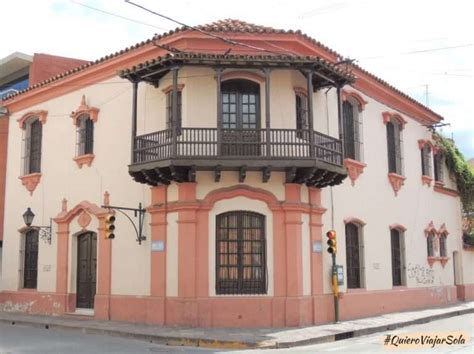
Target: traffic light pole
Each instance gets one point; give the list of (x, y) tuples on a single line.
[(335, 288), (140, 212)]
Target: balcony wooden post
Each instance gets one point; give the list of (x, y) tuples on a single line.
[(219, 110), (175, 116), (267, 72), (309, 88), (340, 121), (134, 119)]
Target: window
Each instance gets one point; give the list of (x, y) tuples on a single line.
[(351, 122), (32, 146), (169, 111), (442, 245), (240, 253), (430, 240), (302, 124), (30, 259), (85, 135), (394, 147), (354, 256), (438, 167), (398, 254), (426, 160)]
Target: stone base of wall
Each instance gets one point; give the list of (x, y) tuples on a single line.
[(257, 311), (465, 292)]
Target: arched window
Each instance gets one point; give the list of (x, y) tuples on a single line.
[(398, 256), (30, 259), (438, 166), (430, 242), (426, 160), (394, 146), (442, 245), (354, 256), (32, 136), (85, 135), (352, 131), (241, 253)]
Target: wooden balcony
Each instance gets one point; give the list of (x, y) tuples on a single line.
[(161, 157)]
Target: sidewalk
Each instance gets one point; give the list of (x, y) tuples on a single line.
[(240, 338)]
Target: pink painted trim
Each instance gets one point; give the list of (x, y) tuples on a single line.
[(84, 160), (399, 227), (430, 229), (397, 181), (84, 220), (30, 181), (83, 108), (346, 95), (446, 191), (426, 180), (242, 74), (241, 191), (40, 114), (300, 90), (442, 230), (170, 88), (388, 116), (443, 260), (423, 142), (432, 260), (67, 216), (352, 220), (354, 169)]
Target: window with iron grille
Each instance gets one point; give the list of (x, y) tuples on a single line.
[(442, 246), (85, 135), (394, 147), (354, 256), (438, 167), (241, 266), (302, 124), (30, 259), (398, 255), (32, 146), (169, 111), (352, 131), (426, 160), (430, 244)]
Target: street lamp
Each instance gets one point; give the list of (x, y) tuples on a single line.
[(44, 231)]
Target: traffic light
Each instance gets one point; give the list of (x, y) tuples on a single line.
[(109, 226), (331, 235)]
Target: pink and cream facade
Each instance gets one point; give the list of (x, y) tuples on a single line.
[(243, 160)]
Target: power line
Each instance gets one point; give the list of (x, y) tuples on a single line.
[(210, 34), (119, 16), (420, 51)]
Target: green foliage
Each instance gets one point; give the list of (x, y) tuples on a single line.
[(461, 171)]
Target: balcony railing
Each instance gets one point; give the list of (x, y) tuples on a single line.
[(242, 144)]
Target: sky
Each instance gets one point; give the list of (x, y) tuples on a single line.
[(424, 48)]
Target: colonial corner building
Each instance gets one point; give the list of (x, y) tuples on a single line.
[(244, 153)]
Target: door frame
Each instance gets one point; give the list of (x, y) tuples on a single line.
[(92, 234)]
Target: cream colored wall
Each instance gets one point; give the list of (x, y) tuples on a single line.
[(61, 178), (240, 203), (372, 200)]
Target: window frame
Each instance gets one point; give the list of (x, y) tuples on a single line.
[(360, 269), (33, 122), (301, 109), (438, 166), (352, 116), (169, 110), (398, 233), (430, 244), (84, 135), (29, 271), (395, 154), (239, 285)]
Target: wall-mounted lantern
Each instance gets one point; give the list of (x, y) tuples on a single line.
[(44, 231)]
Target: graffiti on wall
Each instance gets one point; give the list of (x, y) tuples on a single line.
[(421, 274)]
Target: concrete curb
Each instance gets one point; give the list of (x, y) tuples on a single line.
[(228, 344)]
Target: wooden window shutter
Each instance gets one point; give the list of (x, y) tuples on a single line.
[(391, 148), (36, 131)]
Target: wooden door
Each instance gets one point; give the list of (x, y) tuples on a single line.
[(240, 118), (86, 270)]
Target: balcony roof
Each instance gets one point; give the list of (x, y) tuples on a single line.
[(151, 71)]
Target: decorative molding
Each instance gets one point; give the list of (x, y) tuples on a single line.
[(242, 74), (442, 230), (430, 229), (300, 90), (397, 181), (83, 108), (84, 206), (443, 260), (423, 142), (30, 181), (84, 160), (446, 191), (426, 180), (84, 220), (40, 114), (354, 169), (399, 227), (352, 220), (346, 95), (431, 260), (388, 116), (170, 88)]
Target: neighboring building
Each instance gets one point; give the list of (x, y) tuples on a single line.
[(18, 71), (239, 160)]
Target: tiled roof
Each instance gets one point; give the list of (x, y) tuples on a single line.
[(222, 26)]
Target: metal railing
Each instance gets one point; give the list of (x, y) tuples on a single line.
[(207, 143)]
